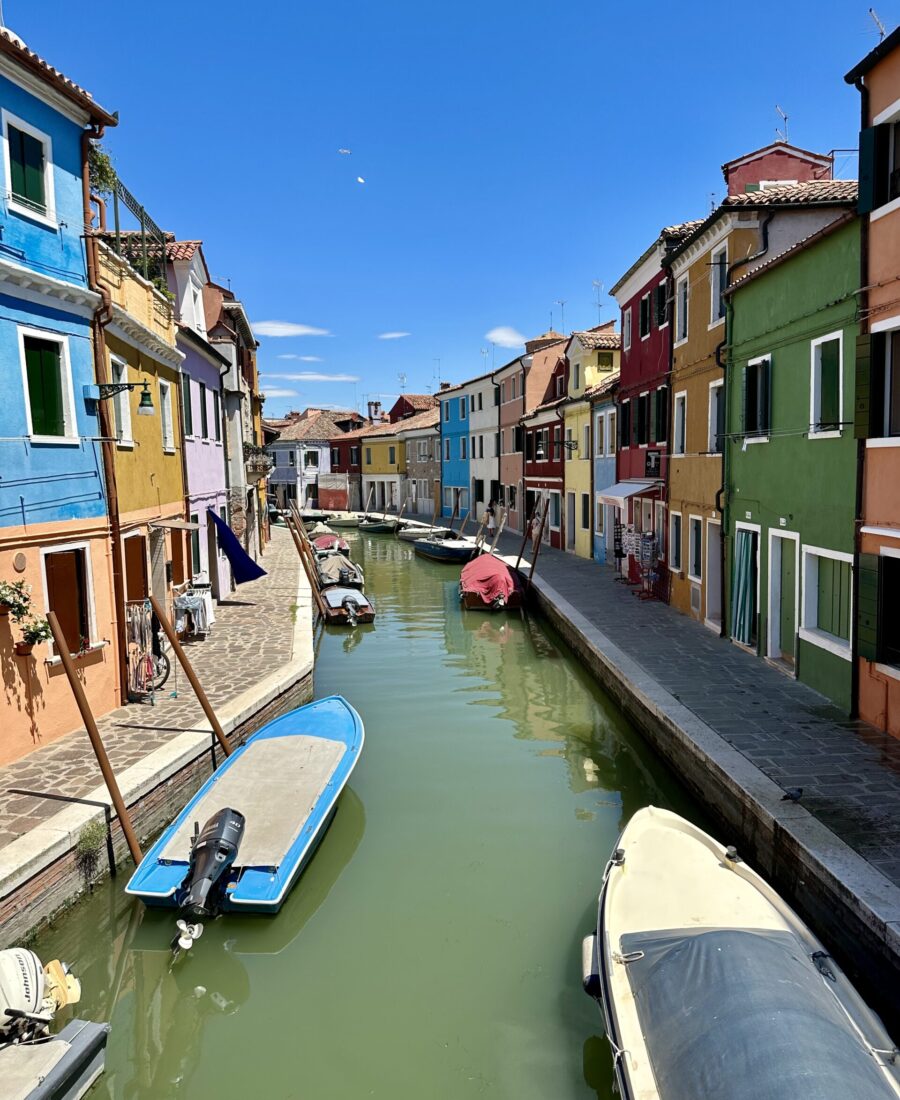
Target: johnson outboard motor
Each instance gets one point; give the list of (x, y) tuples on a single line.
[(213, 851), (351, 606)]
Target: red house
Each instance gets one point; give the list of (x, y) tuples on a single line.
[(545, 459), (410, 404), (644, 297), (345, 459)]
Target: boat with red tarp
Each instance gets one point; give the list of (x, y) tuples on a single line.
[(489, 584), (331, 542)]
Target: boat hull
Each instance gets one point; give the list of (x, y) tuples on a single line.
[(472, 601), (380, 527), (441, 551), (288, 777), (415, 534), (344, 520), (335, 611)]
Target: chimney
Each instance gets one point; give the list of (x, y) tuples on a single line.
[(445, 385)]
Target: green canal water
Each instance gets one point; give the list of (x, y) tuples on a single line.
[(432, 947)]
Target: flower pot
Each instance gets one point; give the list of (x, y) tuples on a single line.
[(4, 610), (23, 649)]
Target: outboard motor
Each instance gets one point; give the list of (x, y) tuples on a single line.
[(212, 853), (30, 994), (352, 608)]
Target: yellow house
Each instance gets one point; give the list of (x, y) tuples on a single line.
[(383, 467), (149, 472), (593, 358)]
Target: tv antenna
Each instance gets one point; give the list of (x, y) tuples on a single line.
[(484, 354), (598, 292), (437, 371), (561, 302), (881, 31), (402, 379), (782, 135)]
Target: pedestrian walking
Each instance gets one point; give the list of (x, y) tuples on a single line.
[(491, 524)]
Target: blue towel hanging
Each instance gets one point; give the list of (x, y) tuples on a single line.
[(243, 567)]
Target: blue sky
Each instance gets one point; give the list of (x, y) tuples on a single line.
[(513, 152)]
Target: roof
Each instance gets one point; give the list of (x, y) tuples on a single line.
[(594, 339), (430, 418), (810, 193), (602, 389), (824, 159), (368, 429), (805, 242), (420, 400), (886, 46), (670, 235), (14, 47), (547, 405), (317, 424), (132, 244), (462, 385)]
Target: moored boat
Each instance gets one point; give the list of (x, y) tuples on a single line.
[(489, 584), (319, 530), (347, 606), (333, 567), (711, 985), (453, 551), (343, 519), (323, 543), (265, 810), (386, 525), (413, 534)]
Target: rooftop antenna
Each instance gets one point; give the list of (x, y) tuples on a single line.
[(402, 379), (484, 354), (712, 201), (437, 369), (782, 135), (562, 311), (874, 14), (598, 291)]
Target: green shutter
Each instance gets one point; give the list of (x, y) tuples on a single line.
[(186, 404), (652, 416), (765, 395), (874, 147), (26, 162), (745, 379), (868, 400), (829, 395), (45, 396), (867, 608)]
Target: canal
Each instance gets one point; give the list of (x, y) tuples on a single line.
[(432, 947)]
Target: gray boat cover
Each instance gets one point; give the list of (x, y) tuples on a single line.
[(336, 569), (744, 1015)]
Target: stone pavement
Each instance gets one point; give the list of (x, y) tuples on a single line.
[(252, 636), (849, 772)]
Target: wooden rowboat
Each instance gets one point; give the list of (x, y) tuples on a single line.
[(489, 584), (323, 543), (386, 526), (452, 551)]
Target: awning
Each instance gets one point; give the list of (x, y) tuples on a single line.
[(622, 490), (175, 524)]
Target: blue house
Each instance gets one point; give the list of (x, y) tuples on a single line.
[(54, 531), (455, 447), (603, 449)]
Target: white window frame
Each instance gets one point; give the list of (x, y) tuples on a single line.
[(611, 433), (422, 450), (463, 408), (599, 435), (559, 511), (576, 378), (463, 447), (815, 384), (675, 559), (659, 526), (680, 397), (195, 288), (70, 423), (586, 440), (636, 409), (446, 450), (809, 629), (714, 297), (447, 410), (773, 622), (93, 641), (121, 403), (165, 402), (711, 432), (697, 578), (626, 328), (767, 358), (682, 315), (48, 219), (649, 299), (599, 515)]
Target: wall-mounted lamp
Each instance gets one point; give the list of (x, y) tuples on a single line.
[(110, 389)]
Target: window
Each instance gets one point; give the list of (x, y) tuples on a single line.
[(659, 305), (681, 309), (680, 424), (422, 450), (165, 416), (599, 513), (757, 393), (446, 410), (122, 401), (464, 446), (408, 450), (446, 450), (481, 447), (512, 383), (478, 490), (310, 460), (392, 456), (643, 419), (204, 414), (68, 585), (826, 376), (496, 395), (557, 442), (675, 541), (29, 169), (626, 328), (217, 417), (196, 564), (335, 457), (879, 596), (448, 499), (354, 456), (585, 511), (511, 496), (560, 385), (186, 403), (503, 391), (826, 600), (517, 439), (879, 165), (599, 435), (554, 510), (662, 414), (695, 548), (611, 434), (717, 282), (625, 424), (716, 440), (292, 458), (480, 400), (462, 408), (48, 385), (586, 441), (576, 377), (660, 527), (369, 454), (644, 317)]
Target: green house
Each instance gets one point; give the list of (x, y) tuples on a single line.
[(790, 458)]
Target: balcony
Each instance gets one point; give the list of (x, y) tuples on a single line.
[(257, 462)]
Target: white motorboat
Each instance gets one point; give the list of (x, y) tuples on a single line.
[(712, 987)]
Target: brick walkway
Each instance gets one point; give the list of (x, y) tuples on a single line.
[(252, 636), (849, 772)]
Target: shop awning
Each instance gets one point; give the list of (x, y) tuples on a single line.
[(622, 490), (175, 524)]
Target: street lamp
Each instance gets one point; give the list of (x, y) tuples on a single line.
[(111, 389)]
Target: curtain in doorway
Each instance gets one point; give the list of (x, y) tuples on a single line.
[(743, 591)]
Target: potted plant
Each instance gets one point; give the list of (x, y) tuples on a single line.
[(15, 599), (34, 632)]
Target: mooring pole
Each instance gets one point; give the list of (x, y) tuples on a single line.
[(191, 675), (537, 547), (62, 648), (528, 523), (313, 584)]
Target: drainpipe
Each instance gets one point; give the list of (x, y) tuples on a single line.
[(102, 317), (722, 492), (862, 311)]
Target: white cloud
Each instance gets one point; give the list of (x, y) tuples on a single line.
[(393, 335), (303, 358), (276, 391), (314, 376), (504, 336), (287, 328)]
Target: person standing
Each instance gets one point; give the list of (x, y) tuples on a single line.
[(491, 523)]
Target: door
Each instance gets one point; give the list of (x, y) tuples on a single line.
[(158, 564), (787, 612), (713, 575), (212, 556), (135, 548), (570, 521)]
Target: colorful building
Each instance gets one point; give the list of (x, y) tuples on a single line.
[(638, 492), (383, 467), (303, 450), (455, 487), (760, 217), (544, 462), (510, 383), (346, 465), (593, 357), (419, 435), (877, 411), (54, 525), (602, 399), (790, 496), (484, 443)]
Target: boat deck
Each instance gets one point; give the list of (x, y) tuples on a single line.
[(275, 785)]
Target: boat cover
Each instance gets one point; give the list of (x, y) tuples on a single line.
[(337, 569), (744, 1014), (330, 542), (491, 578)]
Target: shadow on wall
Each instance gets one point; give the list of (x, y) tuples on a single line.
[(22, 688)]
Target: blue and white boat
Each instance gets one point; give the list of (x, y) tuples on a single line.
[(454, 550), (242, 841)]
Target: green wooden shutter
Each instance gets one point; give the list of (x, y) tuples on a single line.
[(765, 395), (652, 416), (43, 368), (186, 404), (874, 146), (745, 378), (829, 395), (26, 156), (868, 399), (867, 608)]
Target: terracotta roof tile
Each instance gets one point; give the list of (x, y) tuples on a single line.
[(608, 385), (421, 400), (317, 424), (132, 246), (427, 419), (593, 340), (790, 194)]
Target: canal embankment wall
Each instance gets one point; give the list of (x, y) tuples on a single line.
[(851, 905), (43, 872)]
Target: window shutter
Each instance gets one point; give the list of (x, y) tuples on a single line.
[(43, 368), (867, 608), (765, 394), (868, 401), (745, 378), (874, 144), (652, 417)]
